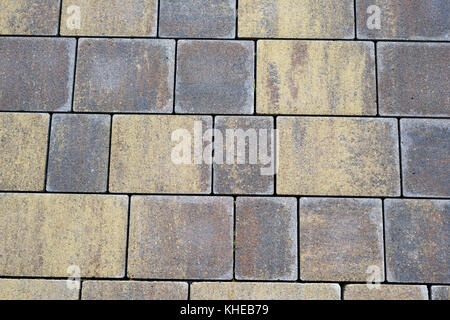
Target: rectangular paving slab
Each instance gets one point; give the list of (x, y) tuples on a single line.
[(385, 292), (440, 292), (36, 289)]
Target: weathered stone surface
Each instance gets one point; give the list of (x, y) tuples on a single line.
[(296, 19), (142, 151), (340, 239), (36, 289), (417, 237), (79, 152), (181, 237), (316, 77), (36, 74), (440, 292), (385, 292), (425, 157), (405, 19), (135, 18), (215, 76), (411, 79), (266, 238), (125, 75), (197, 18), (23, 151), (134, 290), (264, 291), (45, 234), (338, 156)]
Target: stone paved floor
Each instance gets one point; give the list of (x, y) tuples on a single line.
[(108, 173)]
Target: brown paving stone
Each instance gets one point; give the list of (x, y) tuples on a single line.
[(417, 237), (340, 239), (181, 237), (23, 151), (316, 77), (36, 289), (36, 74), (412, 80), (385, 292), (440, 292), (125, 75), (59, 231)]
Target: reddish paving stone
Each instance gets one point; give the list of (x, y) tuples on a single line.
[(440, 292)]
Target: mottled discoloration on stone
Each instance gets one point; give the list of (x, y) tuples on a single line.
[(135, 18), (125, 75), (338, 156), (316, 77), (244, 178), (215, 77), (44, 234), (440, 292), (340, 238), (181, 237), (266, 239), (36, 289), (134, 290), (385, 292), (405, 19), (197, 18), (23, 151), (36, 74), (264, 291), (296, 19), (141, 155), (425, 157), (413, 80), (417, 238)]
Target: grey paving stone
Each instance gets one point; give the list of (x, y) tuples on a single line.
[(440, 292)]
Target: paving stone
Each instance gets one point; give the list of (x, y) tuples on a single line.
[(36, 74), (266, 238), (79, 153), (296, 19), (134, 290), (125, 75), (252, 173), (425, 157), (417, 236), (340, 239), (197, 18), (440, 292), (411, 79), (404, 19), (215, 76), (29, 17), (181, 237), (385, 292), (316, 77), (59, 233), (36, 289), (338, 156), (142, 154), (137, 18), (23, 151), (264, 291)]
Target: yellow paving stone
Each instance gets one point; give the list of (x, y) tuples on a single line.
[(316, 77), (36, 289), (385, 292)]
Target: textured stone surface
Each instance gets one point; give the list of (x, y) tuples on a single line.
[(79, 152), (316, 77), (405, 19), (136, 18), (417, 237), (440, 292), (134, 290), (23, 151), (412, 80), (36, 74), (264, 291), (340, 239), (141, 155), (338, 156), (125, 75), (215, 77), (296, 19), (36, 289), (385, 292), (197, 18), (266, 239), (425, 157), (45, 234), (181, 237)]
